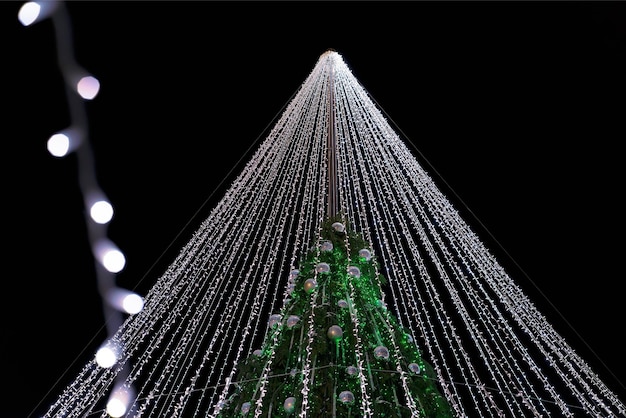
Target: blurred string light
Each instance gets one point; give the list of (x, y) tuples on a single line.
[(80, 86), (35, 11)]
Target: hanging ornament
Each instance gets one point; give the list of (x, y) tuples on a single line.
[(292, 320), (342, 303), (354, 271), (352, 371), (366, 254), (274, 320), (293, 274), (338, 226), (346, 397), (327, 246), (245, 408), (291, 287), (335, 332), (381, 352), (290, 404), (258, 353), (415, 368), (322, 268), (310, 285)]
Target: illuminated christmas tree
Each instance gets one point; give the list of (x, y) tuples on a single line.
[(400, 310), (362, 358)]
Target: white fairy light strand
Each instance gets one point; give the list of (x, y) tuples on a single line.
[(209, 310), (81, 86)]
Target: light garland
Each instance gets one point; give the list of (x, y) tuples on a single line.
[(117, 302)]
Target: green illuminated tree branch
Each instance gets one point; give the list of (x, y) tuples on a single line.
[(335, 350)]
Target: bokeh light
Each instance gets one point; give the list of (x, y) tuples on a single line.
[(109, 256), (119, 401), (124, 300), (88, 87), (34, 11), (101, 211), (62, 143)]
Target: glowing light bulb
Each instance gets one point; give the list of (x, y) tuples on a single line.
[(132, 303), (29, 12), (115, 407), (109, 256), (105, 357), (108, 354), (88, 87), (118, 402), (101, 212), (113, 260), (58, 145), (62, 143), (124, 300), (34, 11)]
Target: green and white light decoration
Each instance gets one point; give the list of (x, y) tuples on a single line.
[(338, 351), (270, 311)]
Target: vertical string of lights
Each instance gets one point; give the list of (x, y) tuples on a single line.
[(81, 86)]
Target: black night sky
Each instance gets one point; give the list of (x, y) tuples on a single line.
[(516, 109)]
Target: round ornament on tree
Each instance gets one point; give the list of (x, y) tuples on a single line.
[(322, 268), (415, 368), (335, 332), (346, 397), (290, 404), (354, 271), (366, 254), (339, 227), (292, 320), (381, 352), (274, 320), (310, 285)]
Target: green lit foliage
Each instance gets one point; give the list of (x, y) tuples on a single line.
[(348, 295)]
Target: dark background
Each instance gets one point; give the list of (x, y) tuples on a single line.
[(516, 109)]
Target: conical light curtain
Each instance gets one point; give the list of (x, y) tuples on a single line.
[(451, 306)]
